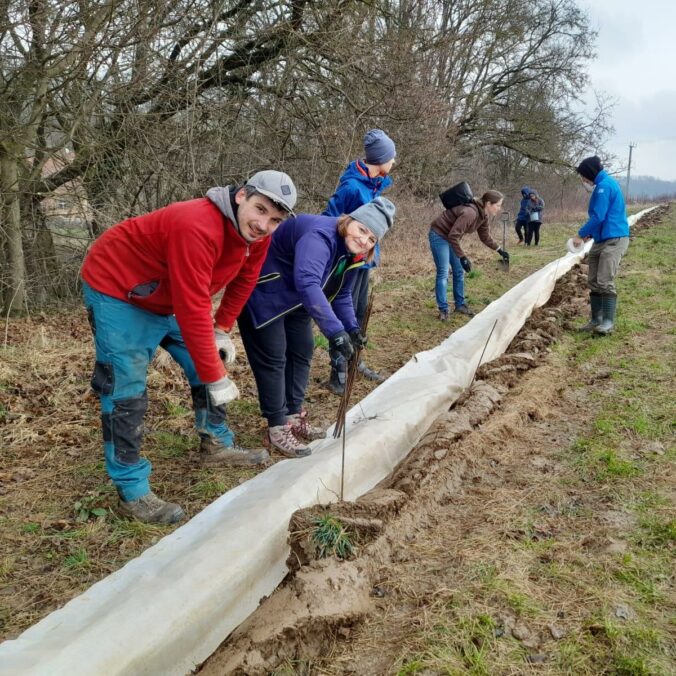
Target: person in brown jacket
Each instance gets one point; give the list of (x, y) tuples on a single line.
[(445, 234)]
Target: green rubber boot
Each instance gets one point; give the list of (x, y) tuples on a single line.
[(608, 323), (596, 302)]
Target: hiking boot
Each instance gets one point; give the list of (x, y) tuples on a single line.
[(282, 439), (464, 310), (609, 305), (336, 382), (596, 302), (215, 453), (301, 428), (151, 509), (370, 374), (443, 315)]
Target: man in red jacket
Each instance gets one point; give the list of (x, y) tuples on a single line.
[(148, 282)]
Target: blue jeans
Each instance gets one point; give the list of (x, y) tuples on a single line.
[(126, 338), (443, 255)]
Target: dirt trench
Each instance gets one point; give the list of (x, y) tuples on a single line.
[(323, 600)]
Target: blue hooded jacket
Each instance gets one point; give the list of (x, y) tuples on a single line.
[(356, 188), (607, 214), (528, 206), (524, 214), (307, 266)]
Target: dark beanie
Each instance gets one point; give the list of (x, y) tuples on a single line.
[(590, 167), (378, 147)]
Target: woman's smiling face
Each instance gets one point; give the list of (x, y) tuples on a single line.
[(358, 238)]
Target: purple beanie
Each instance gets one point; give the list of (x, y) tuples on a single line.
[(379, 147)]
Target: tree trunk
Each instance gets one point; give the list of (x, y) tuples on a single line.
[(14, 296)]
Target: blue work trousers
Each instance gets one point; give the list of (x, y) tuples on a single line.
[(126, 338)]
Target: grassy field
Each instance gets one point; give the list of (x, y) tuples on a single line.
[(605, 602)]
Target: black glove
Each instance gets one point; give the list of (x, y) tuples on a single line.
[(340, 345), (466, 264), (504, 254), (358, 338)]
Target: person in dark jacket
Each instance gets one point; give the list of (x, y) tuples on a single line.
[(148, 283), (445, 234), (307, 276), (522, 218), (608, 227), (362, 181), (534, 208)]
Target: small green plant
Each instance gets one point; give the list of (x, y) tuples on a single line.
[(321, 341), (30, 527), (88, 507), (332, 538)]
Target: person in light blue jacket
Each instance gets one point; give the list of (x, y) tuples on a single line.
[(362, 181), (608, 227)]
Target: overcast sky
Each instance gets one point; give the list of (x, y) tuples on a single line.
[(636, 65)]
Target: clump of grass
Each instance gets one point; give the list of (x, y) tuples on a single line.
[(78, 560), (124, 530), (6, 567), (331, 538), (170, 445), (208, 488), (176, 410), (657, 534)]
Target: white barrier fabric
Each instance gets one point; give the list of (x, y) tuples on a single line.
[(170, 608)]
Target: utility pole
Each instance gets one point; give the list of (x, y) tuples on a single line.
[(631, 147)]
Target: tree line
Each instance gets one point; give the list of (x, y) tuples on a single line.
[(125, 106)]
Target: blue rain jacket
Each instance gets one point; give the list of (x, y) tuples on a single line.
[(356, 188), (607, 212)]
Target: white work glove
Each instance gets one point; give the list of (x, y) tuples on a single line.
[(222, 391), (226, 348)]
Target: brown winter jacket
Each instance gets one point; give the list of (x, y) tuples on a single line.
[(458, 221)]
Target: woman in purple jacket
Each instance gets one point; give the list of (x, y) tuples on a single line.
[(307, 275)]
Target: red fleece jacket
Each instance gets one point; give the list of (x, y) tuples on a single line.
[(191, 251)]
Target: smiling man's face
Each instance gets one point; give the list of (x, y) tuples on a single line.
[(257, 215)]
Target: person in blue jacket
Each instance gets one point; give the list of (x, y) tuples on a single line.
[(523, 217), (307, 276), (362, 181), (529, 218), (608, 227), (535, 209)]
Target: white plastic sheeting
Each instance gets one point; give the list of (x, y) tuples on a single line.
[(168, 610)]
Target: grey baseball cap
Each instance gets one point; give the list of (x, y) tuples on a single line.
[(277, 186)]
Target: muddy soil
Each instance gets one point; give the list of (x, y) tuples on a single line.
[(411, 526)]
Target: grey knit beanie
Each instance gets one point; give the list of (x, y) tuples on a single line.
[(377, 216)]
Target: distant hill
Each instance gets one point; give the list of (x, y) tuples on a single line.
[(648, 187)]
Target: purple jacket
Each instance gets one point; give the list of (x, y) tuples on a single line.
[(307, 266)]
